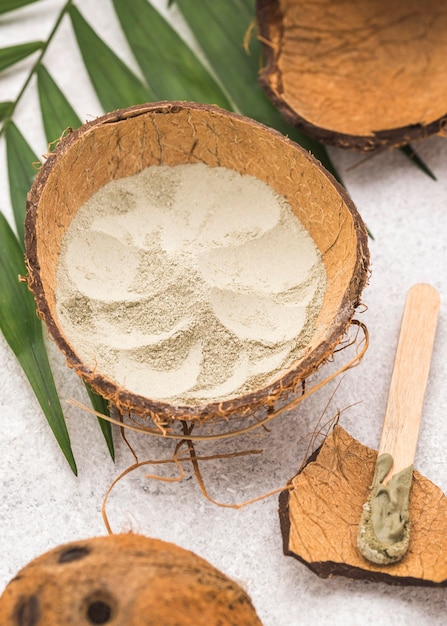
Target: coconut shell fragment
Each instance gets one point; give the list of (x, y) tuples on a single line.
[(320, 517), (123, 580), (359, 75)]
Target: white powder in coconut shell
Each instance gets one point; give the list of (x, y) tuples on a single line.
[(188, 284)]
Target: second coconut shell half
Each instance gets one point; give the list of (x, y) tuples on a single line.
[(360, 75)]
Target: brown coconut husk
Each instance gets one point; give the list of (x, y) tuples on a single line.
[(361, 75), (124, 580), (321, 511), (123, 143)]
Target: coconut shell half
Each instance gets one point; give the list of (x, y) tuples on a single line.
[(123, 580), (361, 75), (125, 142)]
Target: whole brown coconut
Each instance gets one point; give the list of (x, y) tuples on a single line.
[(360, 75), (123, 580)]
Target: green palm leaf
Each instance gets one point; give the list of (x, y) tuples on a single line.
[(11, 5), (22, 164), (169, 66), (57, 112), (5, 109), (14, 54), (23, 332), (115, 84), (221, 37), (409, 152), (101, 405)]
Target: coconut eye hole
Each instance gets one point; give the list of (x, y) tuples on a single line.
[(27, 611), (74, 553), (99, 612)]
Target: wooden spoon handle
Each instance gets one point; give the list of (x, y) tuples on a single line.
[(409, 379)]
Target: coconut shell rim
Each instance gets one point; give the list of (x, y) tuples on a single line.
[(379, 139), (126, 400)]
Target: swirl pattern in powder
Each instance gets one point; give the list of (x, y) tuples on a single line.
[(189, 284)]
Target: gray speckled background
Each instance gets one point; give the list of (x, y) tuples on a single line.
[(43, 505)]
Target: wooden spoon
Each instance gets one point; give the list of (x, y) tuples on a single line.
[(384, 528)]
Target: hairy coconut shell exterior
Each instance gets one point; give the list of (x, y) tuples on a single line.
[(123, 143), (361, 75), (123, 580)]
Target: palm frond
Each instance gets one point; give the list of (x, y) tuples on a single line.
[(23, 332)]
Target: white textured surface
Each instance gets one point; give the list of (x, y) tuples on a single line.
[(42, 504)]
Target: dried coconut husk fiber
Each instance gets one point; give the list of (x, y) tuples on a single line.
[(125, 142), (361, 75), (124, 580)]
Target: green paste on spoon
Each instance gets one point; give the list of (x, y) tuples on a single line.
[(384, 529)]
